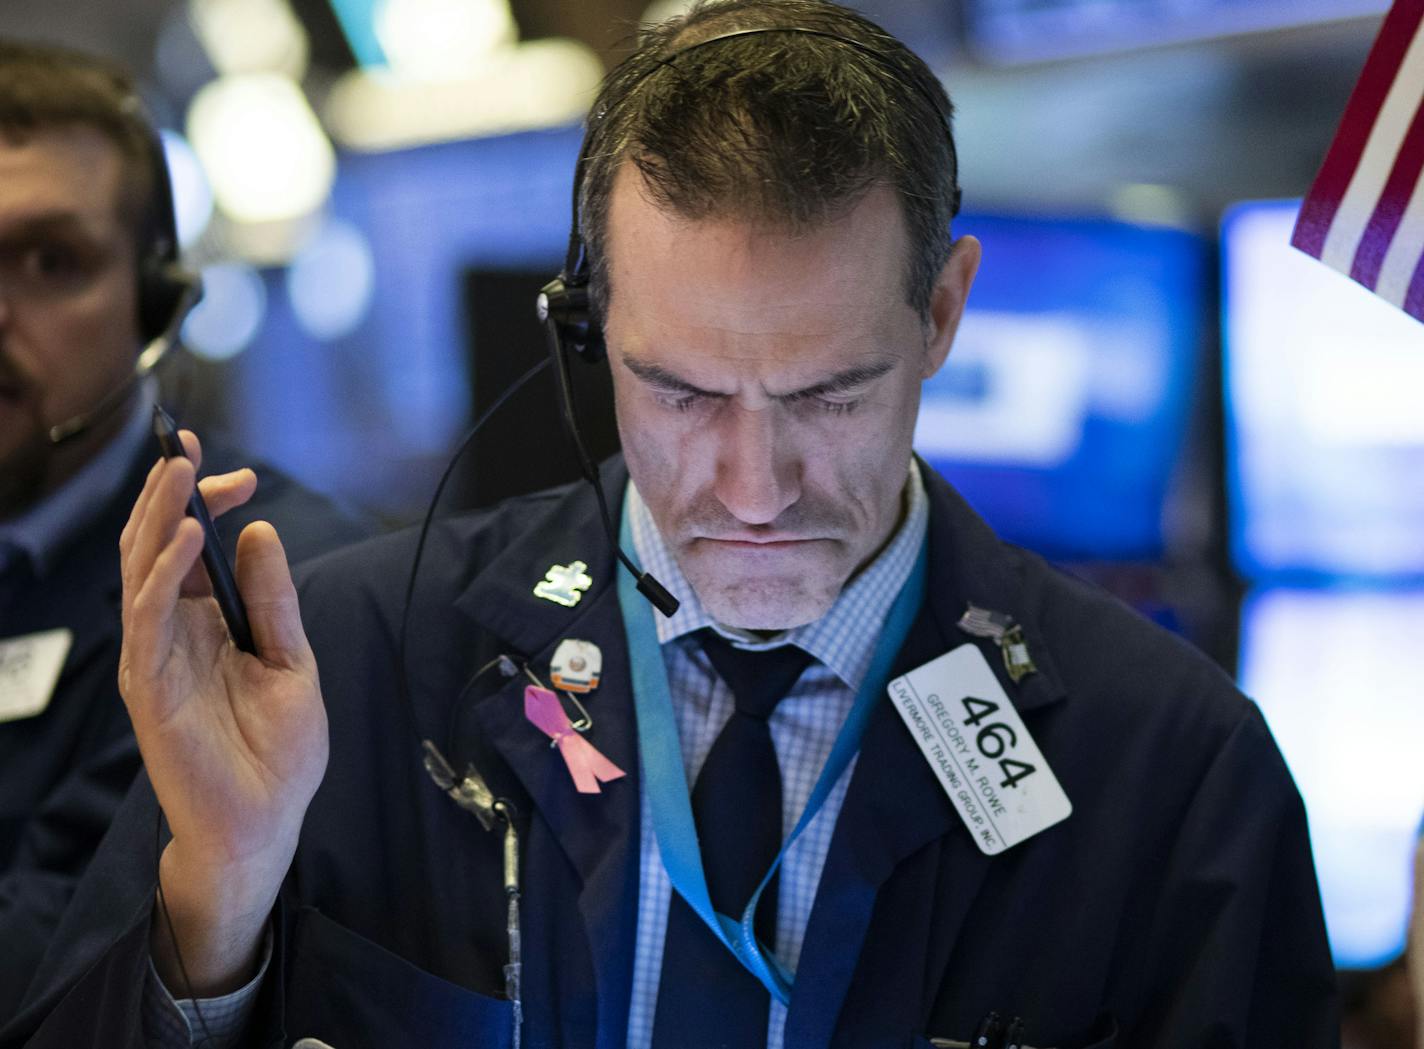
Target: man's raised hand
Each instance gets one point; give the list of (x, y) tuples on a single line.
[(235, 744)]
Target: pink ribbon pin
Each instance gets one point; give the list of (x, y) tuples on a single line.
[(586, 765)]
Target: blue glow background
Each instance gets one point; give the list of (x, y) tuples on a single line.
[(1129, 301), (1327, 524)]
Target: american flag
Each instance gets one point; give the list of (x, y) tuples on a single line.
[(1365, 212)]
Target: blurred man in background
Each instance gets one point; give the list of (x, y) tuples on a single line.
[(88, 275)]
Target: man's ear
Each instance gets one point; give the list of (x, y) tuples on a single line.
[(947, 298)]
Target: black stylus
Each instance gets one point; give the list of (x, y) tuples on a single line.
[(234, 612)]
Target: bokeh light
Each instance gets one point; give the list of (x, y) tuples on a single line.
[(331, 281), (262, 147), (192, 196), (441, 39), (251, 36), (230, 315)]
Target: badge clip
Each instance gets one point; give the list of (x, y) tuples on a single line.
[(470, 791), (1001, 629)]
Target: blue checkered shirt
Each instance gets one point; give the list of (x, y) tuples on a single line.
[(217, 1023), (803, 730)]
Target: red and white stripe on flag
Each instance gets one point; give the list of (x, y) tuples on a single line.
[(1364, 214)]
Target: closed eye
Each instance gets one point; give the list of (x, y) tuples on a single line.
[(683, 403), (836, 395)]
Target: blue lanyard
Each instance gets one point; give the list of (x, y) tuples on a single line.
[(667, 791)]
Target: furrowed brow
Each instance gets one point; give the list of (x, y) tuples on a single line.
[(852, 378), (842, 382), (657, 376)]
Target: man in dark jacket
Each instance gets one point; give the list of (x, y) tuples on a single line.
[(87, 274), (876, 780)]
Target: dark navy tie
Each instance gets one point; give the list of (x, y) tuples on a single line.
[(706, 998)]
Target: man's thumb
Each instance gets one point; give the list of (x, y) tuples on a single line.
[(265, 583)]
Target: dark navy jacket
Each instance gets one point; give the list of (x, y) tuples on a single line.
[(64, 772), (1176, 907)]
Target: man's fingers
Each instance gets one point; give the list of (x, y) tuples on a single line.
[(148, 631), (161, 515), (222, 492), (265, 582), (140, 504), (192, 448)]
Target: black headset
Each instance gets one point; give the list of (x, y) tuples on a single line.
[(563, 303)]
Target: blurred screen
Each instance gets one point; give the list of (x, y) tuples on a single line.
[(373, 413), (1061, 413), (1337, 674), (1028, 29), (1323, 386)]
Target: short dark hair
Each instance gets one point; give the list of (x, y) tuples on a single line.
[(790, 128), (44, 87)]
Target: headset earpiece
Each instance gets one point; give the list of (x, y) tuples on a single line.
[(164, 287), (563, 308), (565, 304)]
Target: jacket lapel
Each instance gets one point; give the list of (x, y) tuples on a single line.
[(598, 833), (895, 806)]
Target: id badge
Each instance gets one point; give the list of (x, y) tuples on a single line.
[(975, 742), (29, 670)]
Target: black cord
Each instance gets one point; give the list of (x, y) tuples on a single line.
[(173, 936), (647, 585), (571, 427), (469, 437)]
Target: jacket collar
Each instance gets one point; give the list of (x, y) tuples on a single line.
[(500, 598)]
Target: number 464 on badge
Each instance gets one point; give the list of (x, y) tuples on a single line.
[(981, 753)]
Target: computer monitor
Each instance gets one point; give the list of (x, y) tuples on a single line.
[(1063, 411), (1033, 30), (1337, 673), (1324, 386)]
